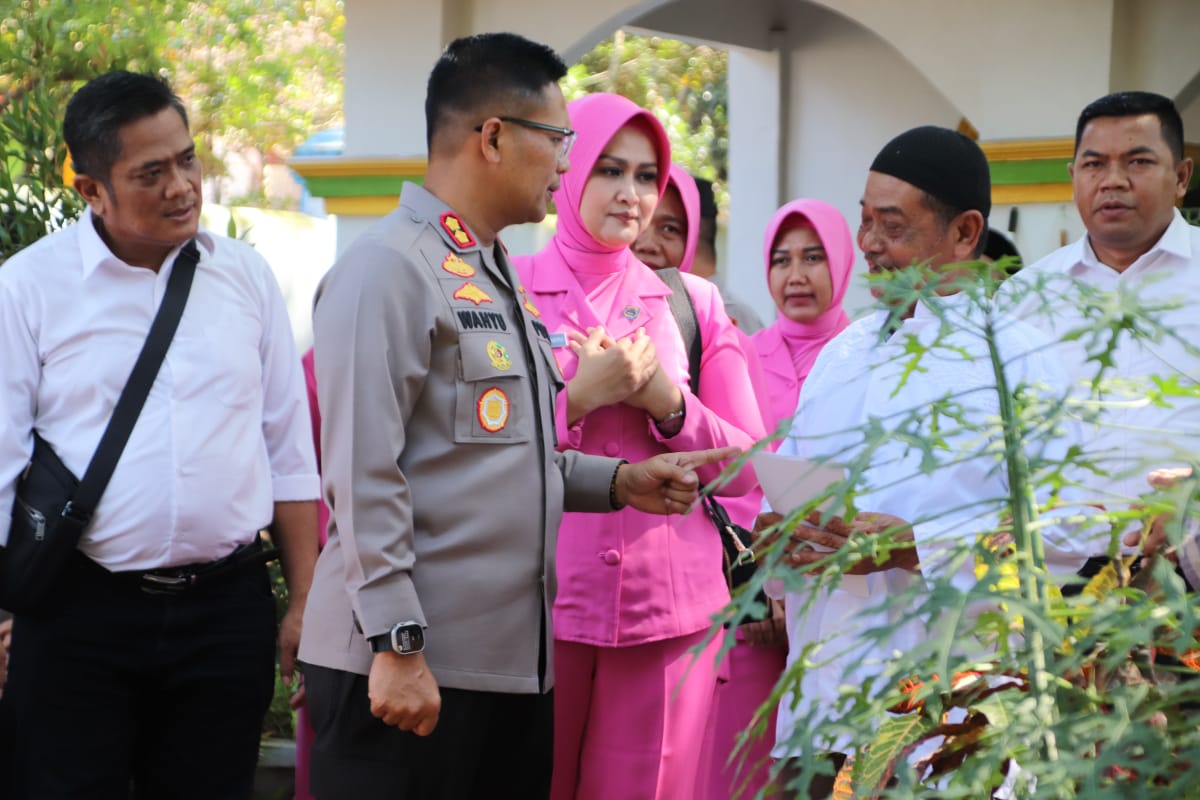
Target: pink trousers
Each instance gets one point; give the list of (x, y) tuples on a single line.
[(748, 675), (629, 721), (304, 740)]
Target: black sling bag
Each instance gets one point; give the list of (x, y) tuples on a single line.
[(52, 507)]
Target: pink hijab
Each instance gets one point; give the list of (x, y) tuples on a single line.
[(690, 195), (796, 345), (597, 117)]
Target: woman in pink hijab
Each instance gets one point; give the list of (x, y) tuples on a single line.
[(670, 238), (636, 593), (809, 253)]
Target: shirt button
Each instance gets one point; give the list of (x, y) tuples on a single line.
[(611, 448), (611, 557)]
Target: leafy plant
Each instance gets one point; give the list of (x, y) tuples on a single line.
[(1016, 688)]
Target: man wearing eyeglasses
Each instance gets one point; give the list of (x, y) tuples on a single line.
[(426, 650)]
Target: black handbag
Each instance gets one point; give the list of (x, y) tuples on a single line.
[(52, 508), (737, 557)]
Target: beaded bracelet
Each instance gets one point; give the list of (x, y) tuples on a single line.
[(612, 488)]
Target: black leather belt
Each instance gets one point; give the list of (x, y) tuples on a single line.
[(177, 580)]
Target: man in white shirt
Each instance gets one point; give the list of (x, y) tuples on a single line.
[(152, 665), (926, 200), (1139, 258)]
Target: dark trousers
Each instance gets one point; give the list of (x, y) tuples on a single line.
[(114, 688), (486, 745)]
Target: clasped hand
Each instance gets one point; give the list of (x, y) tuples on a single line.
[(614, 371)]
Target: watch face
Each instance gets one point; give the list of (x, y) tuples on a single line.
[(409, 638)]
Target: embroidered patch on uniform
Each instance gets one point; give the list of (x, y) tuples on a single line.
[(558, 340), (631, 313), (531, 308), (493, 410), (469, 291), (498, 355), (471, 319), (457, 230), (454, 264)]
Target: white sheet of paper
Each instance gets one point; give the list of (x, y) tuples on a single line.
[(791, 482)]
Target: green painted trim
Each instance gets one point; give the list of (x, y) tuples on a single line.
[(1020, 173), (359, 185)]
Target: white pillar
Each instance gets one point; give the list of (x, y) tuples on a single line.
[(755, 171), (390, 47)]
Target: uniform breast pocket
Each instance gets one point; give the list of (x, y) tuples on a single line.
[(493, 401)]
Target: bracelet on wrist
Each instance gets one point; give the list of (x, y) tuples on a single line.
[(616, 504)]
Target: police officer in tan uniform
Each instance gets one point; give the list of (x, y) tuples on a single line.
[(428, 665)]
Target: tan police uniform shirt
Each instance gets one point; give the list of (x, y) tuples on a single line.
[(436, 384)]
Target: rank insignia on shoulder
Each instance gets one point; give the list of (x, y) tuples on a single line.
[(530, 307), (469, 291), (558, 340), (457, 230), (492, 410), (498, 355), (454, 264), (631, 313)]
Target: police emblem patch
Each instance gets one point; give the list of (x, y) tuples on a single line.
[(631, 313), (457, 230), (531, 308), (498, 355), (454, 264), (469, 291), (493, 410)]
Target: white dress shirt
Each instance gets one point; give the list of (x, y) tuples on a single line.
[(225, 430), (1133, 434), (949, 494)]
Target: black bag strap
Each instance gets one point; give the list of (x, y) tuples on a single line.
[(684, 312), (129, 405)]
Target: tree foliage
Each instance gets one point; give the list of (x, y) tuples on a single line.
[(684, 85), (256, 75), (47, 48)]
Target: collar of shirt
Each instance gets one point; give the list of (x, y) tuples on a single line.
[(94, 253), (1174, 243)]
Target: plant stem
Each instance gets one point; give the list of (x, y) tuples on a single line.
[(1031, 563)]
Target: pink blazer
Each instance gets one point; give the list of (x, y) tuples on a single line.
[(628, 578)]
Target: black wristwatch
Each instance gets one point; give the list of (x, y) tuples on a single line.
[(405, 638)]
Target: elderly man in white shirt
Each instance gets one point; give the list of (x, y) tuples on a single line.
[(151, 666), (1129, 172), (926, 200)]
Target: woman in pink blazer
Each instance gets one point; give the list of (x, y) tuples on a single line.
[(636, 593), (809, 253)]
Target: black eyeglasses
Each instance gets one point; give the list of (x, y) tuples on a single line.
[(568, 135)]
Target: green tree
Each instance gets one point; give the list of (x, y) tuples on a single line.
[(257, 75), (47, 48), (684, 85)]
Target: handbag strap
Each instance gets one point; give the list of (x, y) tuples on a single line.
[(684, 312), (129, 405)]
